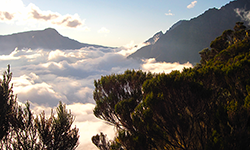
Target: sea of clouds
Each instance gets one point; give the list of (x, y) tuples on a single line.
[(45, 77)]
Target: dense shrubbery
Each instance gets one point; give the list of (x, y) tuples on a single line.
[(204, 107)]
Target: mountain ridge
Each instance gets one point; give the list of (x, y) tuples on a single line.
[(48, 38), (182, 42)]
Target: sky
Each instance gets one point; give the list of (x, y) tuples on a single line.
[(45, 77), (109, 23)]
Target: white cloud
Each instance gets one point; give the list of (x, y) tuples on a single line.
[(7, 6), (169, 13), (192, 5), (39, 92), (160, 67), (31, 14), (71, 21), (103, 30)]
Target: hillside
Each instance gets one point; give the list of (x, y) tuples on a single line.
[(183, 41)]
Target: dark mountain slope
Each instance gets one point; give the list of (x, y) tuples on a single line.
[(46, 39), (186, 38)]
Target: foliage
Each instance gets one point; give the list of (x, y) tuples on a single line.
[(7, 102), (22, 130), (204, 107), (55, 132), (101, 141), (117, 96)]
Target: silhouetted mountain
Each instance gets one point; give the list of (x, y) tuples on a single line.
[(48, 39), (183, 41)]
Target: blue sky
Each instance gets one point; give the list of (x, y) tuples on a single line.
[(110, 22)]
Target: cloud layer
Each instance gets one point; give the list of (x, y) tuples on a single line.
[(46, 77), (31, 14)]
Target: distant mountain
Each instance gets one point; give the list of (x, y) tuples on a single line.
[(183, 41), (48, 39)]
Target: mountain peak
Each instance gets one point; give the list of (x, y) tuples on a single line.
[(49, 29), (52, 30), (48, 39), (154, 39)]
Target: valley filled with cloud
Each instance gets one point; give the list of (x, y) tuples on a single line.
[(45, 77)]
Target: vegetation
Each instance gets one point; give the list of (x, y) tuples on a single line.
[(204, 107), (21, 130)]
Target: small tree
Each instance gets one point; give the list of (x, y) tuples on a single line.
[(56, 132), (7, 102), (21, 130)]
